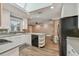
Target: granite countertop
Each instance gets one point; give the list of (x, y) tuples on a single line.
[(74, 42)]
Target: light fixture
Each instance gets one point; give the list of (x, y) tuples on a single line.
[(37, 25), (51, 7)]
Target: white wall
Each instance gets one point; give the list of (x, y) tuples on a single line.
[(69, 9), (34, 6)]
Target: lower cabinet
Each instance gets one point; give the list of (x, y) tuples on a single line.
[(38, 40), (12, 52), (71, 51), (28, 39), (35, 40)]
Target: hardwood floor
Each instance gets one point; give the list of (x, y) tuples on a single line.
[(50, 49)]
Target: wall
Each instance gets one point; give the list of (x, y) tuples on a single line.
[(45, 28), (50, 28)]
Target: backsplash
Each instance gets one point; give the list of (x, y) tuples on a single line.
[(3, 31)]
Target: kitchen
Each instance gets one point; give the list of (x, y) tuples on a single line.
[(22, 32)]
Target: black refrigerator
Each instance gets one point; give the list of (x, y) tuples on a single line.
[(69, 26)]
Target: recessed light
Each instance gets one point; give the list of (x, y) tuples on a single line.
[(51, 7)]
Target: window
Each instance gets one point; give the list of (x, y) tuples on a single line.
[(16, 24), (21, 4)]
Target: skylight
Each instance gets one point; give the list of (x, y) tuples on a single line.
[(21, 4), (33, 6)]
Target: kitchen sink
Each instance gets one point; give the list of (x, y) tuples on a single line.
[(4, 41)]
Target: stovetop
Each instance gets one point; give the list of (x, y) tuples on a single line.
[(4, 41)]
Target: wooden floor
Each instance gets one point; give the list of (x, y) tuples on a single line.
[(50, 49)]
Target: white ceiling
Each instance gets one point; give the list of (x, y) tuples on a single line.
[(46, 14), (33, 6), (41, 12)]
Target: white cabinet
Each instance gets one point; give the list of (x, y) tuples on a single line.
[(41, 40), (78, 16), (71, 51), (0, 14), (72, 46), (28, 39), (5, 19), (13, 52), (69, 9)]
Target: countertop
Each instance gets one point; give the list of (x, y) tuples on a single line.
[(15, 42), (15, 34), (74, 42), (10, 34)]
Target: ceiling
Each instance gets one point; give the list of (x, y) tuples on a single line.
[(46, 14), (41, 12), (29, 7)]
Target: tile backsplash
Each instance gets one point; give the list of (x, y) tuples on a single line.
[(3, 31)]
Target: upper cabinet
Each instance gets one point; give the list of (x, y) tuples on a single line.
[(69, 9), (0, 14), (4, 17)]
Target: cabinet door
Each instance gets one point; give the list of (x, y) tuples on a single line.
[(71, 51), (0, 14), (28, 39)]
